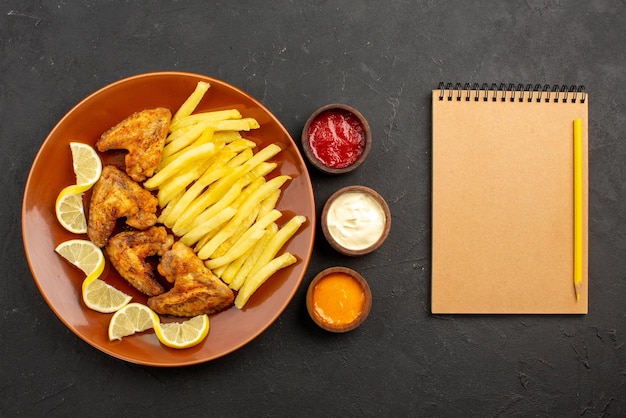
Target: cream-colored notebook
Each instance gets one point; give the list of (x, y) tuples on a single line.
[(503, 199)]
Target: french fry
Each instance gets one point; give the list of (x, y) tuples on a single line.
[(263, 155), (269, 203), (234, 197), (204, 138), (230, 270), (170, 154), (238, 145), (202, 152), (213, 116), (241, 229), (252, 236), (244, 124), (216, 171), (277, 242), (227, 136), (168, 208), (257, 175), (215, 222), (202, 242), (183, 141), (223, 137), (191, 103), (210, 176), (246, 241), (219, 272), (260, 276), (179, 183), (204, 202), (252, 257), (191, 130), (265, 207), (247, 166), (194, 229), (219, 188), (251, 202), (186, 176), (241, 158), (184, 137), (210, 247)]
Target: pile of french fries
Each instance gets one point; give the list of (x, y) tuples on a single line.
[(214, 196)]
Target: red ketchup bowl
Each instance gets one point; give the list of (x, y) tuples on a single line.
[(336, 139)]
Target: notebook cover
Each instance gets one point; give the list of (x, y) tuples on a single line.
[(502, 218)]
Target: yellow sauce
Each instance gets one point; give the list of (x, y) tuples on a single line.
[(356, 220), (338, 299)]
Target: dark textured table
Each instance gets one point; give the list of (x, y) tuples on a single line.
[(383, 58)]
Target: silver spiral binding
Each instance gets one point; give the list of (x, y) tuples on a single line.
[(511, 92)]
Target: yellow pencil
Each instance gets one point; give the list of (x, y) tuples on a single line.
[(578, 206)]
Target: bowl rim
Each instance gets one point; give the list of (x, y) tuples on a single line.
[(309, 153), (367, 305), (326, 231)]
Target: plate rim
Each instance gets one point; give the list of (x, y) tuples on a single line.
[(305, 258)]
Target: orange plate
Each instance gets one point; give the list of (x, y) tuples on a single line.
[(59, 282)]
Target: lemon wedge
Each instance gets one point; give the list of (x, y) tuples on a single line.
[(102, 297), (69, 210), (97, 294), (130, 319), (69, 204), (87, 164), (136, 317), (83, 254), (183, 334)]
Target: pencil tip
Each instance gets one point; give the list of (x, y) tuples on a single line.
[(577, 297)]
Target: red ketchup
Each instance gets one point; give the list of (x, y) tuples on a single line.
[(336, 138)]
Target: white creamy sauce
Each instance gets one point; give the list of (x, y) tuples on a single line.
[(355, 220)]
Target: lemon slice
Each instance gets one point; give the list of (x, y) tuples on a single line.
[(130, 319), (102, 297), (97, 294), (87, 164), (69, 210), (83, 254), (69, 204), (183, 334)]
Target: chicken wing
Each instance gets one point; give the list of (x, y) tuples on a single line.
[(143, 135), (128, 252), (116, 195), (196, 290)]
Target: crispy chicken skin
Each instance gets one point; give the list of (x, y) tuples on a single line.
[(196, 290), (116, 195), (128, 252), (143, 135)]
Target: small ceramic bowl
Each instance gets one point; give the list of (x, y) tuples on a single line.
[(336, 157), (356, 220), (339, 299)]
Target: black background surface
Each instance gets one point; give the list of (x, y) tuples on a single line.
[(382, 58)]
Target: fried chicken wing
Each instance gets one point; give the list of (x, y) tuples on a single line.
[(196, 290), (116, 195), (143, 135), (128, 252)]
